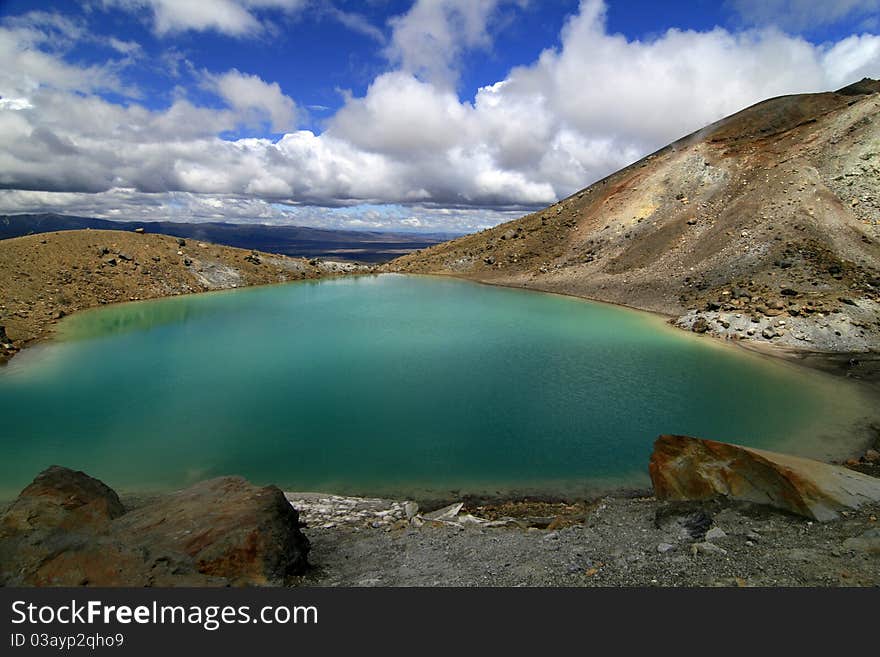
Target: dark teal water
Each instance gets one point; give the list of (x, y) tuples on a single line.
[(391, 384)]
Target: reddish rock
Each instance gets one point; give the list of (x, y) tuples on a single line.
[(68, 529), (685, 468), (228, 527), (64, 499)]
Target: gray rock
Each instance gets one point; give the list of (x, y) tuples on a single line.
[(662, 548), (868, 542), (446, 513), (716, 533), (707, 548)]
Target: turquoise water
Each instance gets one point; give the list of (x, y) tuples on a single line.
[(392, 384)]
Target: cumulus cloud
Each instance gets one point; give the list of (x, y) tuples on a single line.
[(252, 96), (32, 48), (429, 40), (593, 104)]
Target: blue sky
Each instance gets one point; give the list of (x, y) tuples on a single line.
[(382, 114)]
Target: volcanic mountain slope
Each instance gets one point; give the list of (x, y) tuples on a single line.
[(762, 226), (46, 276)]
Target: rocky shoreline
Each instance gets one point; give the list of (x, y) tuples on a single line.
[(721, 515), (621, 542)]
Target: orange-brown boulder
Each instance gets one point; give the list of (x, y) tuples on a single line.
[(228, 527), (68, 529), (686, 468)]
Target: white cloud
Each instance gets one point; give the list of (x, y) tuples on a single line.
[(597, 102), (32, 48), (252, 96), (801, 15), (131, 205), (354, 22), (432, 36), (231, 17)]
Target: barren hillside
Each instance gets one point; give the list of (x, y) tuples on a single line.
[(764, 226), (46, 276)]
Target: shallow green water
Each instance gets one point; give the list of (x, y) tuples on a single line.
[(392, 384)]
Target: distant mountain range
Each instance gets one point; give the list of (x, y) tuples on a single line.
[(368, 247)]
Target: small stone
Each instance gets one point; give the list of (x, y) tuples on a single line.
[(716, 533), (707, 548), (700, 325), (662, 548), (446, 513), (868, 542)]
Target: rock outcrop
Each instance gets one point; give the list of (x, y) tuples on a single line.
[(685, 468), (68, 529)]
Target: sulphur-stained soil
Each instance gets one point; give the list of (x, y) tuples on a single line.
[(46, 276), (763, 228)]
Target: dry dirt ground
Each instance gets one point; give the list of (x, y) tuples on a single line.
[(763, 227), (46, 276)]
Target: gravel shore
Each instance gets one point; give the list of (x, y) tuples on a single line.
[(621, 542)]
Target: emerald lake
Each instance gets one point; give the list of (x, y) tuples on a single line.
[(394, 385)]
